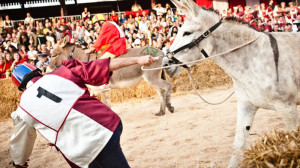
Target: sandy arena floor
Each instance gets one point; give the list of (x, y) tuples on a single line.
[(196, 135)]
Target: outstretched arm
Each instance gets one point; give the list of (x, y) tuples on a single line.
[(118, 63)]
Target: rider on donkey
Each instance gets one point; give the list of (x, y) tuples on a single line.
[(111, 40)]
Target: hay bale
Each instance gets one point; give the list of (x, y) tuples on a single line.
[(275, 149), (205, 75), (9, 98)]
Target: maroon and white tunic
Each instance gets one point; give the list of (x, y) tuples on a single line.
[(59, 106)]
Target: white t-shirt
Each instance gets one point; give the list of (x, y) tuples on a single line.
[(160, 11), (32, 54)]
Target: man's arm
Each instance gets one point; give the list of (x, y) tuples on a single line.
[(118, 63)]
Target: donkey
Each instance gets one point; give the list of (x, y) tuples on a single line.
[(125, 77), (265, 73)]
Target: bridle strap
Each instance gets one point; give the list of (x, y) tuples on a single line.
[(71, 54), (176, 61), (204, 53), (199, 39)]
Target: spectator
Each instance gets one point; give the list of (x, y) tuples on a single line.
[(288, 28), (143, 25), (296, 24), (32, 53), (85, 14), (23, 40), (276, 28), (28, 20), (159, 10), (12, 49), (8, 25), (136, 7), (9, 59), (123, 18), (1, 24), (114, 16), (44, 49), (137, 18), (32, 37), (4, 67), (23, 52), (17, 60), (131, 19), (43, 62)]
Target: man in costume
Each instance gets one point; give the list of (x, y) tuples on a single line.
[(111, 41), (59, 106)]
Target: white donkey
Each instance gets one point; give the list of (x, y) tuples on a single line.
[(265, 73)]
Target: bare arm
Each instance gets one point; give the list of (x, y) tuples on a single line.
[(118, 63)]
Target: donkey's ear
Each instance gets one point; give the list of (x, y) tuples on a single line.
[(178, 4), (186, 6), (181, 7), (191, 6), (64, 41)]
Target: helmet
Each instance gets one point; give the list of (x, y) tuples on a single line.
[(97, 18), (23, 73)]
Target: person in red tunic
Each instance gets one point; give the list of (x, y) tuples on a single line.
[(83, 129), (3, 67), (111, 41), (114, 17)]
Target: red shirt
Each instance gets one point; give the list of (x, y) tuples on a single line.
[(113, 38), (114, 18), (3, 68)]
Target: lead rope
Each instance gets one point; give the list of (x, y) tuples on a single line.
[(196, 61), (194, 87)]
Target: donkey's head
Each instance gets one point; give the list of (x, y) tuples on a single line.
[(197, 21), (59, 53)]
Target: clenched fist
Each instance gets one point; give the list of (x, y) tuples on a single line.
[(146, 60)]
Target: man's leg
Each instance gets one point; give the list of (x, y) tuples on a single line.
[(112, 154)]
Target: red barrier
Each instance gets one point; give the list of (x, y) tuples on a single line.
[(134, 13)]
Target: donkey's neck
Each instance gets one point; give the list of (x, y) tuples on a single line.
[(228, 36)]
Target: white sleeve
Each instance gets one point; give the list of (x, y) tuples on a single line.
[(22, 141)]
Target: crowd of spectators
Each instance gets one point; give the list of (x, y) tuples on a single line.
[(31, 41)]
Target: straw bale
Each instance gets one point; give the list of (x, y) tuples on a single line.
[(274, 149), (9, 98)]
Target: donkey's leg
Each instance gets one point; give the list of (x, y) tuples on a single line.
[(162, 95), (245, 115), (163, 88), (168, 97), (288, 112)]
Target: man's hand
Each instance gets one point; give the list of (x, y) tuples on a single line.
[(146, 60), (118, 63)]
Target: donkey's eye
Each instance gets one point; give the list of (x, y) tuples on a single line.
[(187, 33)]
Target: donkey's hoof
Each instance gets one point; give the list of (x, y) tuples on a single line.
[(160, 114), (171, 109)]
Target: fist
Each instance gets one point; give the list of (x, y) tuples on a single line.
[(146, 60)]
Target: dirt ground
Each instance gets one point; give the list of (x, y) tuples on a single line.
[(195, 135)]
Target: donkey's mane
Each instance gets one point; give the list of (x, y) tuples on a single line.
[(230, 19)]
